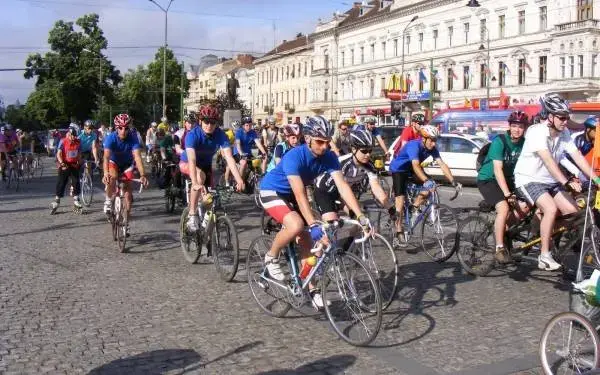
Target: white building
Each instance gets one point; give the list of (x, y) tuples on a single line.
[(535, 46), (282, 82)]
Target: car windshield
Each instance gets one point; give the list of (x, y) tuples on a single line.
[(479, 141)]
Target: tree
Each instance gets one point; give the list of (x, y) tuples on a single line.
[(173, 75), (135, 95), (73, 78)]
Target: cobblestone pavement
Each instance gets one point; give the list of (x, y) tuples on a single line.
[(70, 303)]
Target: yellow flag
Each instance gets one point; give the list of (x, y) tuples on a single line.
[(596, 142)]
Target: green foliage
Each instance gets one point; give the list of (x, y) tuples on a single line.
[(173, 83)]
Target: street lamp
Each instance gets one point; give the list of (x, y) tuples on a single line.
[(403, 36), (99, 57), (164, 75)]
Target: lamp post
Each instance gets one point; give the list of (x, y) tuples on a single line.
[(403, 36), (99, 57), (164, 75), (489, 72)]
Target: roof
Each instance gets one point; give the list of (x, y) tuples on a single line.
[(301, 41), (353, 14)]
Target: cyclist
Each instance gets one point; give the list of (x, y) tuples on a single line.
[(341, 142), (283, 195), (496, 180), (538, 177), (121, 150), (201, 144), (89, 144), (244, 138), (270, 138), (165, 145), (150, 140), (9, 143), (68, 157), (164, 125), (292, 139), (370, 125), (190, 120), (407, 165), (410, 133), (355, 167), (584, 141)]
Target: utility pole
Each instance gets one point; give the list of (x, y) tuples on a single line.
[(182, 91), (164, 75)]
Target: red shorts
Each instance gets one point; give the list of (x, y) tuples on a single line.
[(277, 205), (127, 173)]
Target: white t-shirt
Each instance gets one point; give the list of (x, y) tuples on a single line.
[(530, 167)]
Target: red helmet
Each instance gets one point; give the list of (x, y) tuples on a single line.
[(122, 119), (291, 129), (208, 112), (518, 117)]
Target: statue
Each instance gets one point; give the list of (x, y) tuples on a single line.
[(232, 86)]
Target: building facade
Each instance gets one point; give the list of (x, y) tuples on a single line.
[(446, 54)]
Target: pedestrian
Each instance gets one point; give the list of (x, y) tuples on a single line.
[(68, 157)]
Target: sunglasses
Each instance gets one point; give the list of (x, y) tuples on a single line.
[(562, 118), (321, 142), (210, 121), (121, 127), (366, 150)]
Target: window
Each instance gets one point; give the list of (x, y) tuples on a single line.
[(382, 86), (543, 18), (361, 87), (373, 52), (450, 32), (580, 62), (325, 94), (276, 75), (584, 9), (483, 75), (343, 58), (501, 74), (435, 36), (522, 64), (482, 29), (420, 42), (371, 88), (351, 90), (293, 97), (594, 63), (326, 62), (305, 95), (450, 83), (572, 65), (277, 98), (287, 70), (434, 81), (421, 83), (294, 71), (287, 96), (395, 47), (501, 26), (298, 96), (466, 77), (383, 44), (459, 145), (312, 65), (467, 26), (351, 57), (305, 69), (543, 69), (362, 55), (562, 67), (408, 44), (342, 88), (521, 22)]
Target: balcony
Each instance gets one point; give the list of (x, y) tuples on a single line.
[(576, 26), (320, 72)]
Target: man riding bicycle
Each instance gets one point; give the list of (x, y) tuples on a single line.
[(584, 141), (68, 157), (245, 137), (292, 134), (410, 133), (407, 165), (341, 142), (89, 144), (283, 195), (370, 125), (151, 140), (496, 180), (538, 177), (270, 138), (201, 144), (122, 153)]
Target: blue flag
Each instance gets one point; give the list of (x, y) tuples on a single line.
[(422, 76)]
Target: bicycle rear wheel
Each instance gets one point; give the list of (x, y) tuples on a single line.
[(268, 294), (569, 345), (191, 243), (352, 299), (225, 247), (87, 189), (476, 248), (439, 233), (169, 200)]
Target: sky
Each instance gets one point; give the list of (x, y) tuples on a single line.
[(240, 25)]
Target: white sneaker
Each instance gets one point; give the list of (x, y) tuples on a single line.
[(317, 300), (547, 263), (76, 202), (273, 267), (107, 206), (193, 224), (54, 205)]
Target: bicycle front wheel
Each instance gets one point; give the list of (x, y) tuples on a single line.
[(87, 190), (225, 247), (191, 243), (121, 224), (352, 299), (477, 245), (439, 233), (569, 345)]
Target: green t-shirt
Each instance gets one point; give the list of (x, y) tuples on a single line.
[(168, 144), (497, 152)]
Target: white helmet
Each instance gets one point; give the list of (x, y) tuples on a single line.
[(271, 120), (154, 124), (163, 119), (429, 131)]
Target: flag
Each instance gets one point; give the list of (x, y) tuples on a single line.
[(422, 76), (467, 103), (408, 82), (436, 75), (392, 82), (528, 67), (453, 74), (486, 69), (506, 68), (399, 83)]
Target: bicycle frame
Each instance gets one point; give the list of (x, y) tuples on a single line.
[(432, 200)]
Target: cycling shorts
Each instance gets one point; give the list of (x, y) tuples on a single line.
[(400, 183), (533, 191), (125, 170), (184, 168), (278, 205), (326, 200)]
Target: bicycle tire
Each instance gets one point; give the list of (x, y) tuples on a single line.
[(255, 266), (476, 255), (444, 214), (113, 220), (191, 245), (227, 256), (576, 323), (87, 189), (370, 304), (121, 225), (257, 192), (169, 201), (382, 263)]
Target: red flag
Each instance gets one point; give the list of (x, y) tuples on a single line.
[(453, 74), (528, 67)]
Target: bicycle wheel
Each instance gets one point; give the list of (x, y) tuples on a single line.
[(439, 233), (379, 256), (257, 192), (476, 249), (569, 345), (352, 299), (191, 243), (121, 224), (225, 247), (169, 200), (268, 294), (40, 167), (87, 189)]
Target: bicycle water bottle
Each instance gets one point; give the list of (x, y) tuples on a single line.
[(307, 266)]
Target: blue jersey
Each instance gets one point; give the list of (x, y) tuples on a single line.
[(375, 132), (246, 140), (413, 150), (121, 151), (301, 162), (280, 150), (87, 140), (205, 146)]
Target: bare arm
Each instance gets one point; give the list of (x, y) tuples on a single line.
[(382, 144), (378, 192), (300, 194), (334, 147), (260, 146), (137, 156), (191, 156), (238, 146), (445, 170), (416, 166), (228, 155), (499, 174)]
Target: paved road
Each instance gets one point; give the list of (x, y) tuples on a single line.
[(70, 303)]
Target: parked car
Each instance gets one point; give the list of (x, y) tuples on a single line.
[(389, 134), (459, 152)]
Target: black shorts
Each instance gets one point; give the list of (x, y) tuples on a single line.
[(491, 192), (327, 200), (400, 182), (87, 155)]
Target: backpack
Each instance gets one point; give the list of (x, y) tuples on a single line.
[(486, 148)]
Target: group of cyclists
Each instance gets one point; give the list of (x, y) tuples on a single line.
[(14, 142)]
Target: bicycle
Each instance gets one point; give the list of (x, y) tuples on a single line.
[(13, 173), (173, 193), (118, 216), (86, 183), (215, 223), (435, 219), (37, 166), (339, 273)]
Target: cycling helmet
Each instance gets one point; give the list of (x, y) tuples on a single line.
[(19, 130), (361, 138), (370, 120), (291, 129), (419, 118), (429, 131), (163, 119), (73, 130), (235, 124), (318, 127), (154, 124), (89, 123), (590, 122), (247, 120), (518, 117), (122, 119), (271, 120), (191, 117), (555, 104), (208, 112)]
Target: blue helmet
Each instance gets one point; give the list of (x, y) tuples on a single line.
[(318, 127), (590, 122)]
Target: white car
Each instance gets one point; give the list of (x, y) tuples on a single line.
[(458, 151)]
